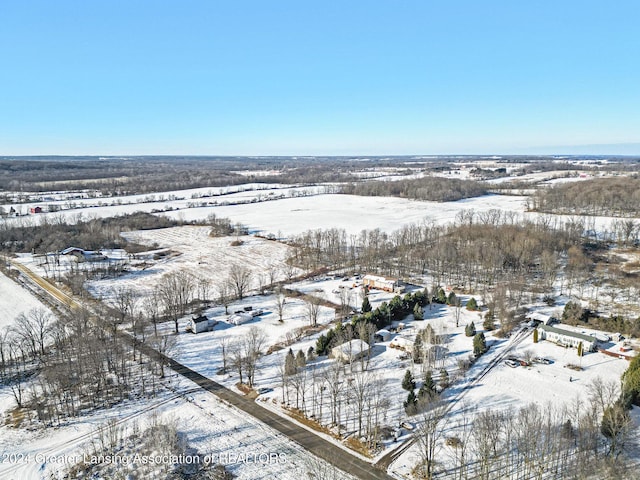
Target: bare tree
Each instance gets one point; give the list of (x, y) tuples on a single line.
[(124, 301), (429, 434), (252, 345), (281, 301), (240, 278), (176, 291), (313, 308), (224, 294)]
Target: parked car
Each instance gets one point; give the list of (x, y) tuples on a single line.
[(543, 360), (511, 363), (263, 390)]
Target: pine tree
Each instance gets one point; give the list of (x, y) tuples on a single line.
[(417, 350), (417, 312), (472, 304), (444, 379), (428, 389), (489, 320), (366, 305), (479, 344), (290, 363), (408, 383), (410, 403), (441, 297), (470, 330), (310, 353), (301, 360), (580, 349), (451, 299), (535, 336)]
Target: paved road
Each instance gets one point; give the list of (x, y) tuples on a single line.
[(317, 445)]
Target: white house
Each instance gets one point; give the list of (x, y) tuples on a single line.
[(566, 337), (202, 324), (540, 318), (350, 351)]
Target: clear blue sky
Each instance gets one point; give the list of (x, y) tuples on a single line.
[(325, 77)]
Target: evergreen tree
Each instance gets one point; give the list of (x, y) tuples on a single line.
[(408, 383), (310, 353), (441, 297), (410, 403), (489, 320), (580, 349), (451, 299), (479, 344), (366, 305), (428, 389), (631, 381), (444, 379), (301, 360), (417, 350), (535, 336), (417, 312), (470, 330), (290, 363), (472, 304)]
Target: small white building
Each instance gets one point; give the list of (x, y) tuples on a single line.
[(566, 338), (383, 335), (350, 351), (202, 324), (540, 318)]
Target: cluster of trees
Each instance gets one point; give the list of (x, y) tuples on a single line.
[(353, 400), (617, 196), (59, 368), (583, 439), (437, 189), (364, 325), (52, 235)]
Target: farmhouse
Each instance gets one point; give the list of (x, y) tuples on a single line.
[(202, 324), (402, 343), (83, 255), (382, 283), (566, 337), (350, 351)]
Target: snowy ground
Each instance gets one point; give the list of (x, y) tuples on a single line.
[(505, 387), (212, 427), (15, 300)]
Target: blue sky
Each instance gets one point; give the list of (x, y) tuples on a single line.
[(326, 77)]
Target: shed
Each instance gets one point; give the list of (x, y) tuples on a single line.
[(202, 324), (383, 335), (350, 351)]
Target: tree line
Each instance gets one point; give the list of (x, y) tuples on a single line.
[(437, 189), (616, 196)]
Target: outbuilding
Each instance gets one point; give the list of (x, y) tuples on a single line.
[(202, 324), (383, 335)]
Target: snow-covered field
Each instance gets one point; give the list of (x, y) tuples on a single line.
[(212, 427), (15, 300)]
